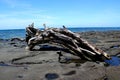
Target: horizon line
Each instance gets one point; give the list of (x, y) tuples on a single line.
[(66, 27)]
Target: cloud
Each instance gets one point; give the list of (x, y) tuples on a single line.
[(11, 3), (20, 19), (14, 23), (16, 3), (21, 13)]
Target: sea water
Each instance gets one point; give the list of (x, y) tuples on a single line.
[(114, 61), (12, 33), (20, 33)]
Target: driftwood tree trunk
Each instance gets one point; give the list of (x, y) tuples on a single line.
[(65, 38)]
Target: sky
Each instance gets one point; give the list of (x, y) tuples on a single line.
[(18, 14)]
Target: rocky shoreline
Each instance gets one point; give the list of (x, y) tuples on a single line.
[(43, 64)]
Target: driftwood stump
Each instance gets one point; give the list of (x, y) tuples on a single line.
[(65, 38)]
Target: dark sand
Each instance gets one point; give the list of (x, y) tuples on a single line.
[(18, 64)]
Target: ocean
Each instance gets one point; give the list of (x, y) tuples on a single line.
[(20, 33)]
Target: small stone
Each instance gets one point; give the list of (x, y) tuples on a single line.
[(70, 73), (20, 76)]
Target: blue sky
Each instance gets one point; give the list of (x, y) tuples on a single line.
[(16, 14)]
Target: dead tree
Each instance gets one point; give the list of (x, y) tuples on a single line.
[(65, 38)]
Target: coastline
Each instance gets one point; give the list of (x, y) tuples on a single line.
[(41, 65), (20, 33)]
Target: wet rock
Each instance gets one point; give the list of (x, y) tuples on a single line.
[(17, 39)]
